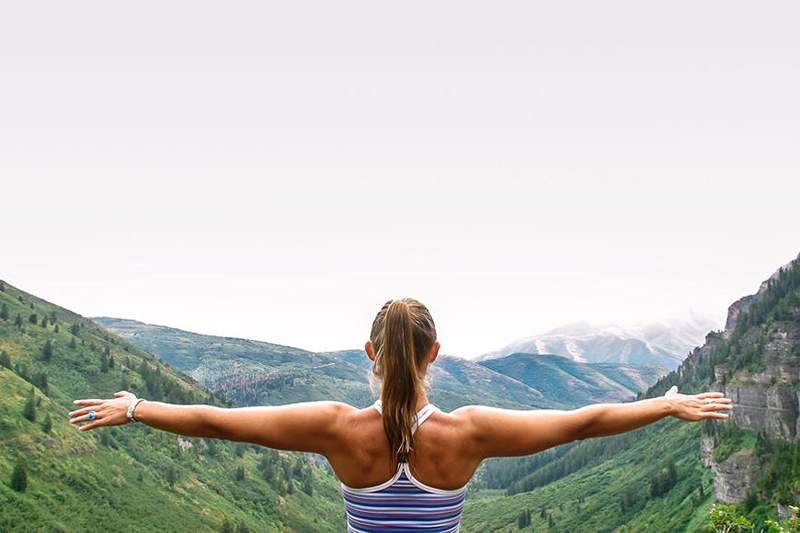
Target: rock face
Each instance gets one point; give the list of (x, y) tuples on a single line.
[(757, 364), (734, 476), (768, 401)]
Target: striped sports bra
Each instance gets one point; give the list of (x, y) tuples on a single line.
[(403, 503)]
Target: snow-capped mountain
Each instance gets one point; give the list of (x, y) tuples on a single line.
[(659, 344)]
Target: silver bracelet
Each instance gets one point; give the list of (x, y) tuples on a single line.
[(132, 409)]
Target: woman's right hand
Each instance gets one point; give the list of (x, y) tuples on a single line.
[(695, 407)]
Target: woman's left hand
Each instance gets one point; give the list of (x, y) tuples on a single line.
[(112, 412)]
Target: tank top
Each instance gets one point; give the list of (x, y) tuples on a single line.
[(403, 503)]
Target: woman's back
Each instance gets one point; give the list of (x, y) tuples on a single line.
[(402, 502)]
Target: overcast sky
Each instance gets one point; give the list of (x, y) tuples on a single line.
[(277, 171)]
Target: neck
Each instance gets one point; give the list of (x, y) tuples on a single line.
[(422, 401)]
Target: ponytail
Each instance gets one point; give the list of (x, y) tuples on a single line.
[(403, 334)]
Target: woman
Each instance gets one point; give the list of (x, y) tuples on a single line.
[(403, 463)]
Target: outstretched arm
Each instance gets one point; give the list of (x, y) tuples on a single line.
[(308, 427), (503, 432)]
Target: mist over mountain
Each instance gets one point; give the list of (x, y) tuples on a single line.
[(662, 344)]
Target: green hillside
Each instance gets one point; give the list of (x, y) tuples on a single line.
[(558, 377), (55, 478)]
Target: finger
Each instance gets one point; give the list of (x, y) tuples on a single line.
[(83, 411), (717, 407), (85, 418), (711, 414), (79, 419), (711, 395), (92, 401), (90, 426)]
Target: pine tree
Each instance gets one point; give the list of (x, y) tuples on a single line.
[(73, 344), (33, 318), (242, 528), (43, 322), (18, 321), (29, 411), (4, 312), (308, 486), (47, 425), (75, 328), (239, 474), (2, 286), (19, 477), (47, 351), (40, 380), (5, 360), (104, 363), (172, 476), (227, 527)]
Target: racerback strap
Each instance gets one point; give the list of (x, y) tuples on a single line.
[(422, 415)]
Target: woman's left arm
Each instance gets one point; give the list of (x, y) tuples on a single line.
[(307, 426)]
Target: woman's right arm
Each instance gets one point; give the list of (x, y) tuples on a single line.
[(308, 426), (494, 432)]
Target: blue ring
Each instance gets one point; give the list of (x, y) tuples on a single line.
[(91, 416)]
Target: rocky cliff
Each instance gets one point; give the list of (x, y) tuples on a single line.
[(755, 361)]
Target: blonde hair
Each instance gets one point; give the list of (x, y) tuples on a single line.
[(402, 334)]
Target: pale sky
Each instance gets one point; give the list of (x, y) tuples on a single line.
[(277, 171)]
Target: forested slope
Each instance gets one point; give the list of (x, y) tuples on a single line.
[(130, 478)]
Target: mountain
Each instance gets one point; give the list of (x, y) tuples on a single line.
[(130, 478), (755, 360), (659, 344), (254, 372), (667, 476), (559, 377)]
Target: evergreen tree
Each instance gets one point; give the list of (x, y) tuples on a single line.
[(29, 411), (75, 328), (308, 486), (56, 329), (18, 321), (53, 317), (47, 425), (172, 476), (73, 344), (239, 474), (47, 351), (19, 477), (40, 380), (227, 527), (241, 527), (33, 318), (43, 322), (5, 360), (2, 286), (104, 363), (4, 312)]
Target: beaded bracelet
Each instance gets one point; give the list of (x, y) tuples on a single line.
[(132, 408)]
